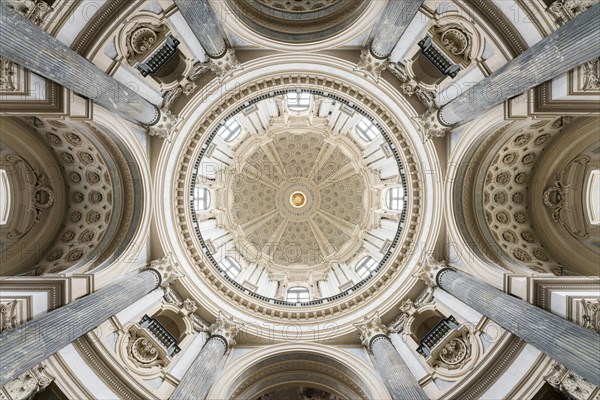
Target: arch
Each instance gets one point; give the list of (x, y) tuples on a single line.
[(269, 367)]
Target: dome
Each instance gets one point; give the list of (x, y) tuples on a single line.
[(291, 197)]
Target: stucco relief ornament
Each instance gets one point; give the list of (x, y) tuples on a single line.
[(591, 316), (167, 269), (370, 65), (6, 75), (27, 385), (225, 66), (369, 328), (165, 127), (574, 386), (431, 126)]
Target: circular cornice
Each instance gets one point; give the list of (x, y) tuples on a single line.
[(327, 73)]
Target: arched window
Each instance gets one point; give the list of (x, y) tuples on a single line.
[(231, 267), (367, 130), (230, 130), (201, 199), (298, 101), (395, 199), (298, 294), (366, 266)]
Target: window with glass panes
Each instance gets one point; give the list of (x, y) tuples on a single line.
[(395, 199), (230, 130), (367, 130), (231, 267), (366, 266), (298, 101), (201, 199), (298, 294)]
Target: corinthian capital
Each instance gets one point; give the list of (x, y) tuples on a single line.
[(369, 328), (224, 66), (430, 270), (166, 268), (370, 65), (166, 125), (430, 124), (226, 328)]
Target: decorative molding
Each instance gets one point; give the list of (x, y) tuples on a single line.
[(207, 124)]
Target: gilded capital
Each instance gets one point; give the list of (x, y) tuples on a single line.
[(369, 328)]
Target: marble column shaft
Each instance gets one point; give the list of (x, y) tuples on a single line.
[(396, 374), (199, 378), (206, 27), (27, 345), (26, 44), (573, 346), (396, 17), (568, 47)]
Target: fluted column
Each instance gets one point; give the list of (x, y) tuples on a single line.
[(27, 345), (568, 47), (396, 17), (573, 346), (396, 375), (394, 20), (199, 378), (26, 44), (208, 30)]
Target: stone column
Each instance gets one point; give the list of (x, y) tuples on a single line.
[(25, 346), (396, 375), (199, 378), (26, 44), (394, 20), (573, 346), (568, 47), (208, 30)]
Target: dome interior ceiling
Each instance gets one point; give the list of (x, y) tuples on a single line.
[(298, 187)]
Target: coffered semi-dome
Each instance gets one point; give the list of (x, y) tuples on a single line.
[(298, 196)]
